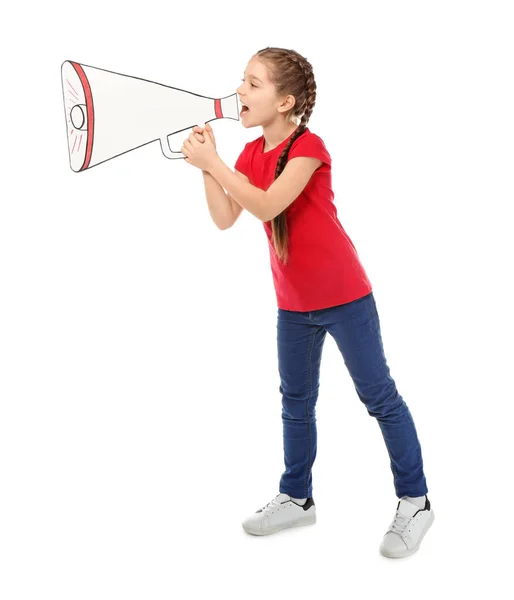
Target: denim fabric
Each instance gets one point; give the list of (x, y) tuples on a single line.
[(355, 326)]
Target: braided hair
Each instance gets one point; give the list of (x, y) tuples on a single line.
[(290, 73)]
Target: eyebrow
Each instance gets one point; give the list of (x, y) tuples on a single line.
[(256, 78)]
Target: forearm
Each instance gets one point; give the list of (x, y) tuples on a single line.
[(250, 197), (218, 203)]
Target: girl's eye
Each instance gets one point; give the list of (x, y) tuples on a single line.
[(250, 83)]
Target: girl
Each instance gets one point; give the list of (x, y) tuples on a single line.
[(284, 179)]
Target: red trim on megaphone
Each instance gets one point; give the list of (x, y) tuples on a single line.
[(90, 114), (217, 109)]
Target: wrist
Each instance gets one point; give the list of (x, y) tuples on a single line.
[(214, 165)]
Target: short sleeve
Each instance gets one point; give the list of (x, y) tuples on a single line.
[(242, 162), (310, 145)]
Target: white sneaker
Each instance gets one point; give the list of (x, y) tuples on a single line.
[(407, 529), (280, 513)]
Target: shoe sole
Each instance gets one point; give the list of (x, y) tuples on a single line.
[(309, 520), (408, 552)]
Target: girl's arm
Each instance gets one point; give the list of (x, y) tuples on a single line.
[(243, 192), (266, 205), (222, 208)]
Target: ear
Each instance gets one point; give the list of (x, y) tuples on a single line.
[(288, 103)]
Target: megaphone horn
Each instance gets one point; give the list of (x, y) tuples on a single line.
[(108, 114)]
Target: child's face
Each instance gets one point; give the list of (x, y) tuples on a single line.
[(259, 94)]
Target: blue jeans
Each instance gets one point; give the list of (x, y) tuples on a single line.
[(355, 326)]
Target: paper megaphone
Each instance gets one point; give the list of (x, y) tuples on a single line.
[(108, 114)]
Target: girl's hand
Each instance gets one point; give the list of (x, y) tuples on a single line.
[(200, 149), (203, 131)]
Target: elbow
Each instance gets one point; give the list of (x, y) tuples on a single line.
[(264, 216), (225, 226)]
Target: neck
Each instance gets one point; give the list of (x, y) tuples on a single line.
[(275, 133)]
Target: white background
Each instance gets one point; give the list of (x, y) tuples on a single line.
[(140, 413)]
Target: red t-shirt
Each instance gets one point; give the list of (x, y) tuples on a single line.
[(323, 267)]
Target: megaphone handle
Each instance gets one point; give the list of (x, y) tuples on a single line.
[(167, 151)]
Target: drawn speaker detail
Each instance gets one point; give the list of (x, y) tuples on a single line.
[(108, 114)]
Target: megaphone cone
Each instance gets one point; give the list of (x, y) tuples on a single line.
[(108, 114)]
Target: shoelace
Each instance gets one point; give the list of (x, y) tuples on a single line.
[(273, 503), (399, 523)]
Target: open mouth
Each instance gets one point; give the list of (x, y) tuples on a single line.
[(244, 108)]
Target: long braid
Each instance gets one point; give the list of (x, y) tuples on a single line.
[(299, 77)]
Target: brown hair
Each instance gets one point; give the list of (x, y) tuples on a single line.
[(290, 73)]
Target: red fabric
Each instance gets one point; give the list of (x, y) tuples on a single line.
[(323, 267)]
